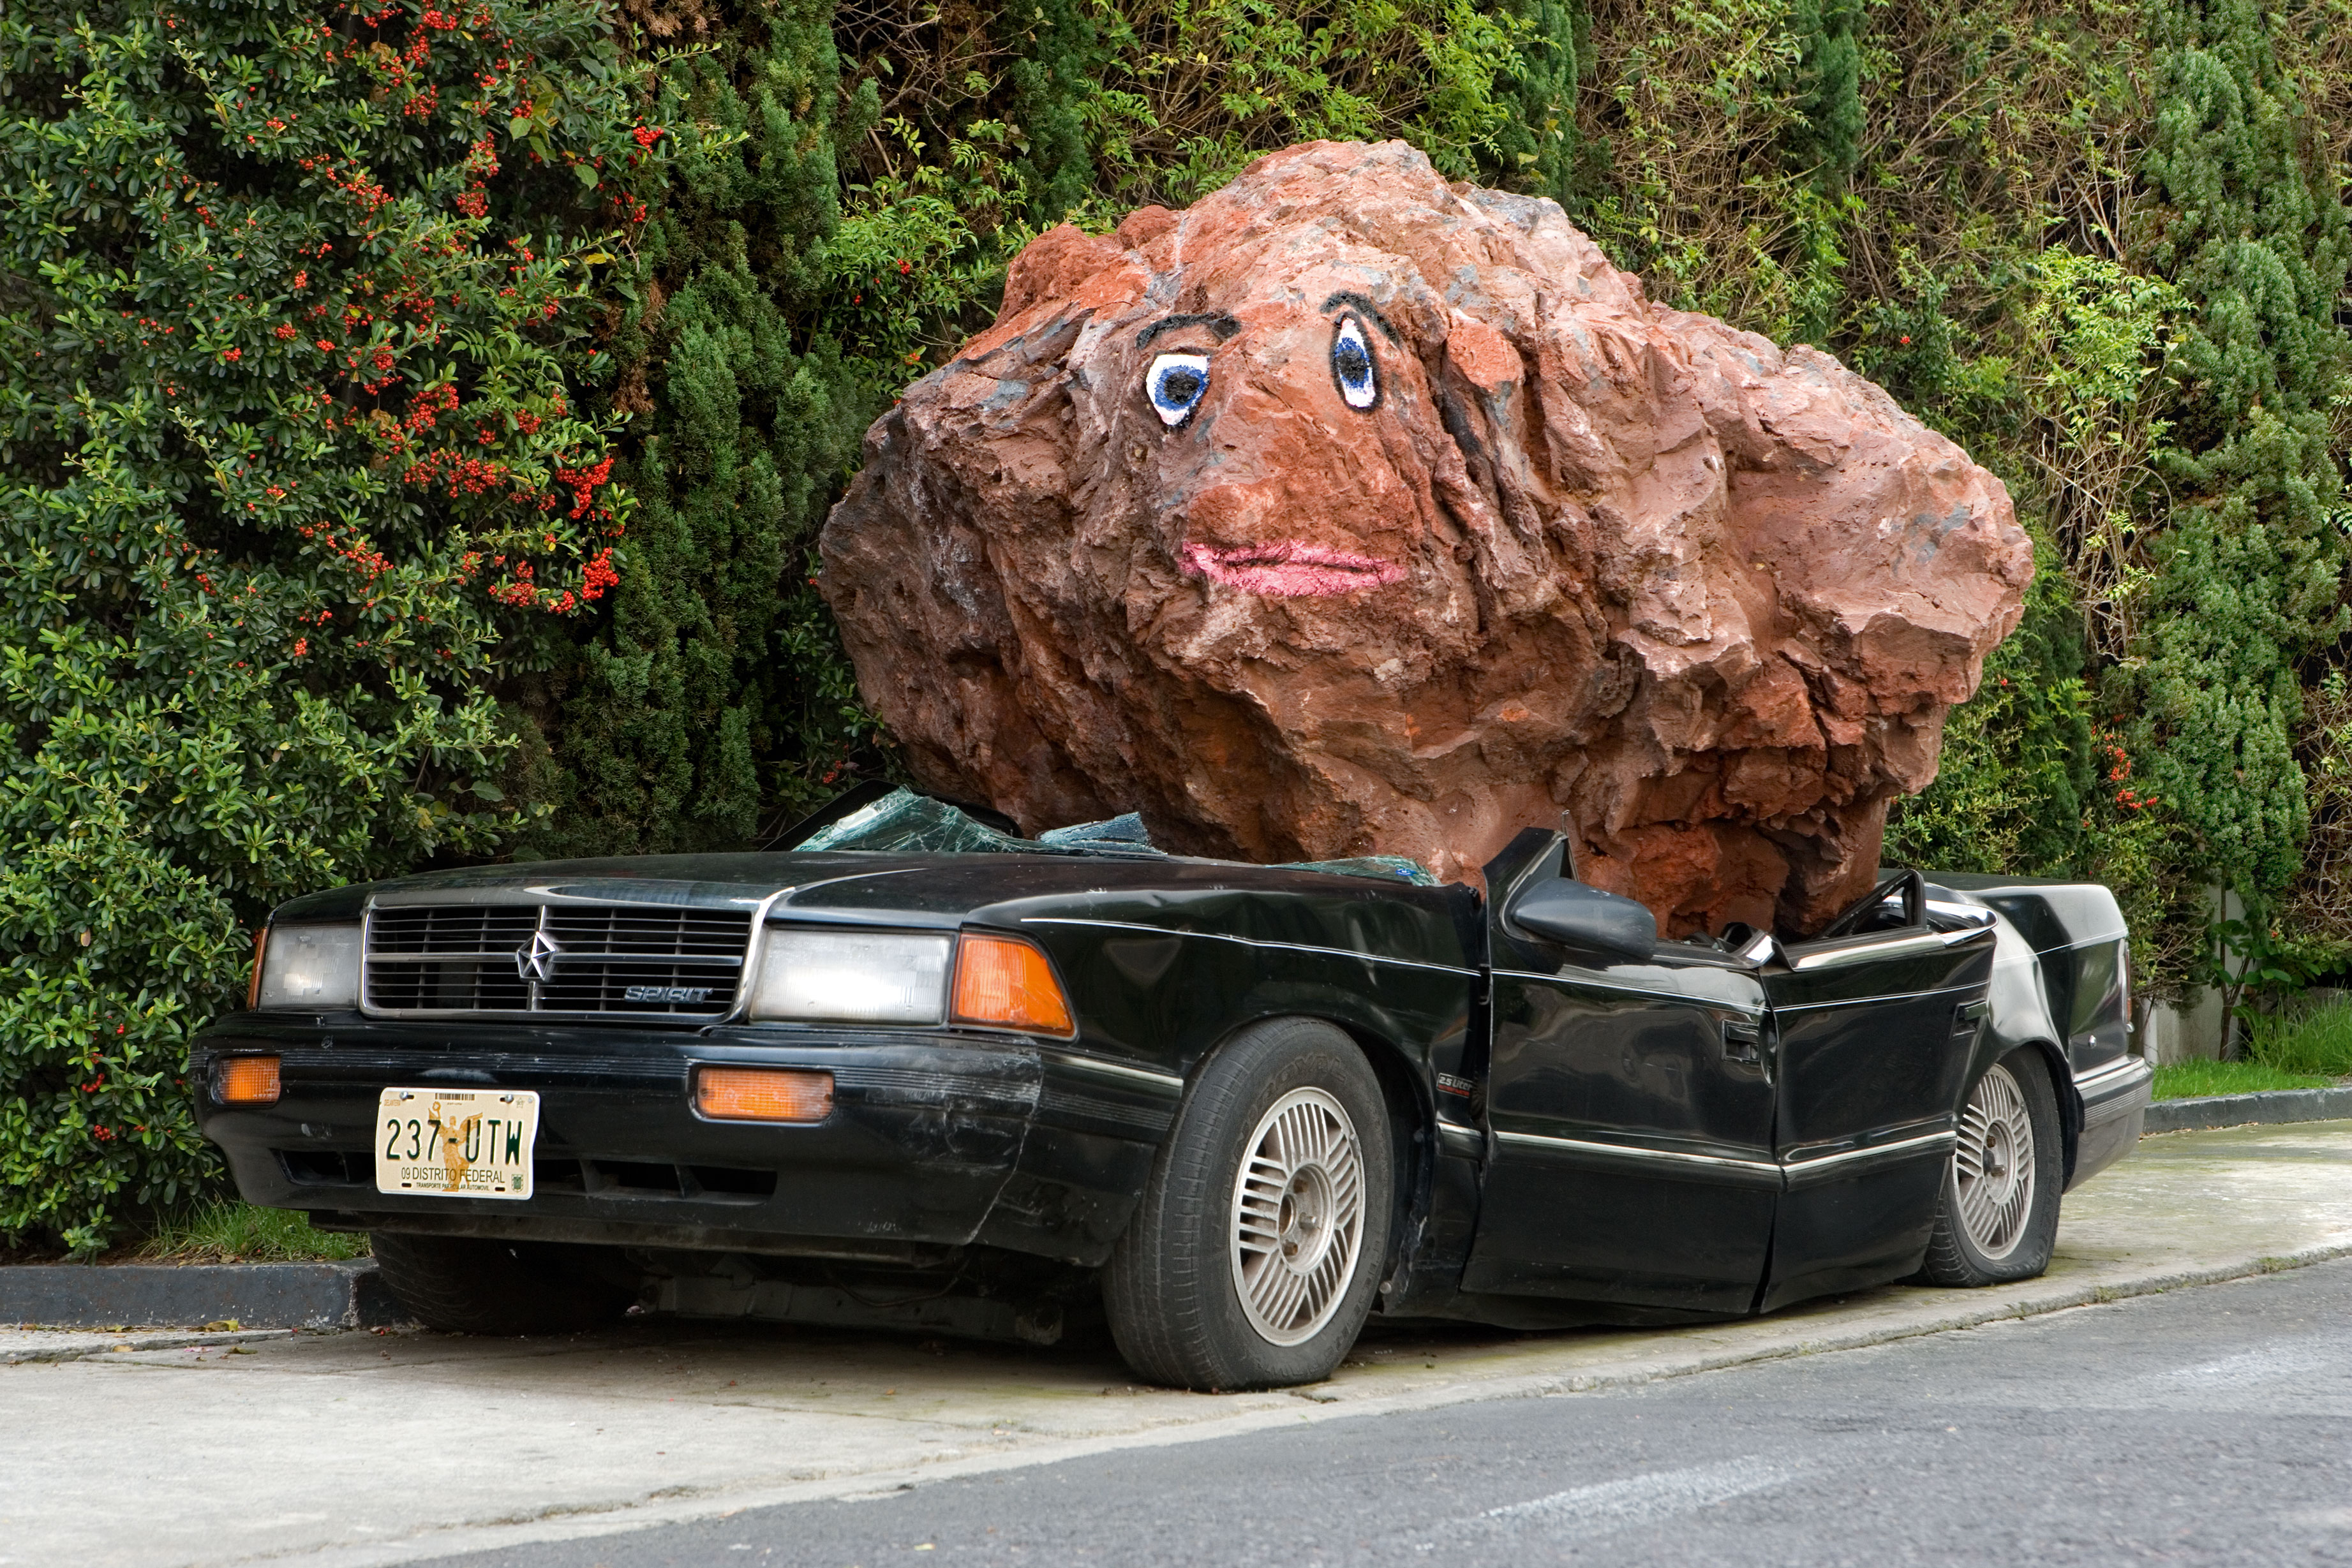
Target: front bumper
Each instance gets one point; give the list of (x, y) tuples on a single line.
[(937, 1140)]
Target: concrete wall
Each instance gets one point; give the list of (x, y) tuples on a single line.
[(2170, 1034)]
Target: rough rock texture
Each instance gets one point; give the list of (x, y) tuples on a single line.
[(1349, 512)]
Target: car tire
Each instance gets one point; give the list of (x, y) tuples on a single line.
[(1997, 1218), (1263, 1233), (462, 1284)]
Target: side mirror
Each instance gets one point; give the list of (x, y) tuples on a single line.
[(1576, 916)]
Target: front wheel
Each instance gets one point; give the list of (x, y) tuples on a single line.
[(1253, 1257), (1998, 1220)]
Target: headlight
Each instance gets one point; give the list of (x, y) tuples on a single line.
[(310, 967), (852, 976)]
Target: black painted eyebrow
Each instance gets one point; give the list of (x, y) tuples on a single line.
[(1365, 306), (1220, 324)]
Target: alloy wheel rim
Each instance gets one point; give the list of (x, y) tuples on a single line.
[(1298, 1216), (1993, 1165)]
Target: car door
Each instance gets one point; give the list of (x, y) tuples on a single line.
[(1875, 1022), (1629, 1105)]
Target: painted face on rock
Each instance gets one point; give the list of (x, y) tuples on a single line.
[(1263, 434)]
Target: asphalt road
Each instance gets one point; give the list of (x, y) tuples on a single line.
[(2211, 1424)]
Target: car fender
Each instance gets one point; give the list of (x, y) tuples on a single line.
[(2018, 1016)]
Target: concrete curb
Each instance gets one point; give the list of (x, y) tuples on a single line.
[(161, 1295), (67, 1345), (2272, 1105)]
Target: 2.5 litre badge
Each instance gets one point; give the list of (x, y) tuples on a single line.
[(460, 1142)]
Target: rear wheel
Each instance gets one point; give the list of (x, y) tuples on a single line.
[(1999, 1218), (463, 1284), (1253, 1257)]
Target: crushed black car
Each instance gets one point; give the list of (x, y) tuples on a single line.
[(915, 1070)]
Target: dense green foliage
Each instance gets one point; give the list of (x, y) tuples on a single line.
[(2249, 553), (684, 717), (257, 642), (1537, 147), (293, 305), (1826, 139)]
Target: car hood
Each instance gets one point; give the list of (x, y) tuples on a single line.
[(860, 887)]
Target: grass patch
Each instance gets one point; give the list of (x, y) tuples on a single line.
[(226, 1231), (2187, 1079), (2304, 1047), (2306, 1039)]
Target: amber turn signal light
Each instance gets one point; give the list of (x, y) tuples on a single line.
[(248, 1081), (1005, 983), (762, 1094)]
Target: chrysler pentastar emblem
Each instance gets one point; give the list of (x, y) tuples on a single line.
[(536, 962)]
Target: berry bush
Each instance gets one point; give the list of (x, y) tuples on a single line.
[(295, 467)]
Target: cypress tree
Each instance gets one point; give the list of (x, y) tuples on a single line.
[(1062, 58), (2013, 791), (2248, 560), (681, 722), (1822, 145), (1538, 151), (1826, 140)]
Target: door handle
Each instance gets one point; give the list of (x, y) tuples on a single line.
[(1968, 1015), (1742, 1041)]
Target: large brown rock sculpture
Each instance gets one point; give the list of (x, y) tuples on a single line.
[(1349, 512)]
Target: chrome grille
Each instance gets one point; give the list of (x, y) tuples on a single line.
[(576, 960)]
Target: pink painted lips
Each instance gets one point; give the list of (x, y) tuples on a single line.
[(1290, 568)]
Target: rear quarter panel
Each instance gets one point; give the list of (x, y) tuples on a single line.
[(2061, 982)]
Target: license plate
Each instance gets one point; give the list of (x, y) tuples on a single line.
[(456, 1142)]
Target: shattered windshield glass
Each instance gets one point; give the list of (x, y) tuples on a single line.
[(903, 822)]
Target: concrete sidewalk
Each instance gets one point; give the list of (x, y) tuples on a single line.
[(372, 1449)]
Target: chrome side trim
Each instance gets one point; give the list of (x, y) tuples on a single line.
[(1667, 1156), (1784, 1172), (1846, 1157), (1167, 1083), (1246, 942)]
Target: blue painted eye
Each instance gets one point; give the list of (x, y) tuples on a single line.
[(1351, 365), (1177, 383)]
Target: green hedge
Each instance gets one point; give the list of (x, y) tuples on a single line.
[(300, 467)]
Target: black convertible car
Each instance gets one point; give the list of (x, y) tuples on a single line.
[(916, 1071)]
